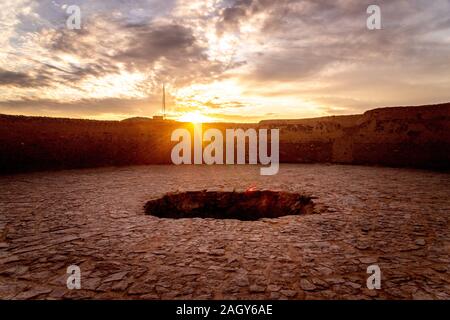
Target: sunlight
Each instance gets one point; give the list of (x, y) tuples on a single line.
[(194, 117)]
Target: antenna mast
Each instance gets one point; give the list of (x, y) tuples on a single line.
[(164, 101)]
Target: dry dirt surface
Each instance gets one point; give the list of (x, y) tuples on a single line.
[(94, 218)]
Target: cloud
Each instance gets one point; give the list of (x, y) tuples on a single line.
[(21, 79), (174, 48), (150, 42), (309, 57), (83, 108)]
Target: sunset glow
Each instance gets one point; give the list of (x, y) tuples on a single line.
[(225, 60), (194, 117), (242, 152)]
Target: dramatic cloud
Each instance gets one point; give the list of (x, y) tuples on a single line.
[(20, 79), (227, 59)]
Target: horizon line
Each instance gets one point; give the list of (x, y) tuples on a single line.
[(168, 119)]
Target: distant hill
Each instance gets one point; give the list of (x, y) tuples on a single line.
[(137, 119), (401, 136)]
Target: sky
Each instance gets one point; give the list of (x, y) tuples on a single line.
[(221, 60)]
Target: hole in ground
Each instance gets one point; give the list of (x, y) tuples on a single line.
[(246, 206)]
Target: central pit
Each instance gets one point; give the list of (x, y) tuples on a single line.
[(246, 206)]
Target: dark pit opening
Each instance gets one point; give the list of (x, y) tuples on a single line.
[(247, 206)]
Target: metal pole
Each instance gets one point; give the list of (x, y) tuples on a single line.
[(164, 101)]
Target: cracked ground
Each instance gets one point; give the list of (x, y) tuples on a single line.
[(397, 219)]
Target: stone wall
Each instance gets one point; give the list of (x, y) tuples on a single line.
[(403, 136)]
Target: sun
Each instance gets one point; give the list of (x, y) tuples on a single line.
[(195, 117)]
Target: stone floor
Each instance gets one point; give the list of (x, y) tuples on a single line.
[(395, 218)]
